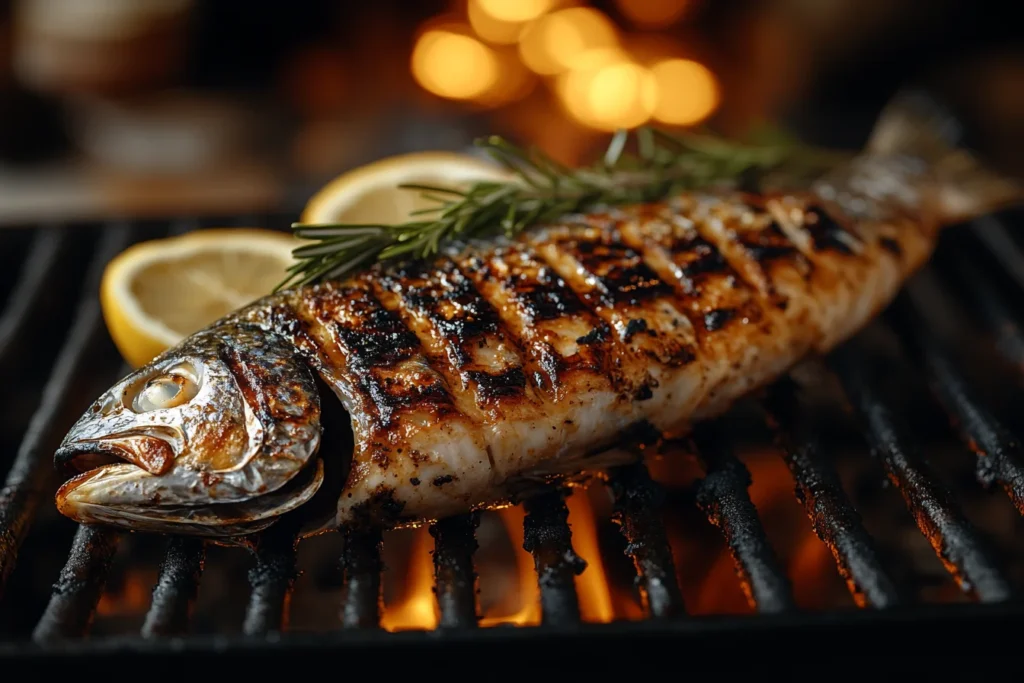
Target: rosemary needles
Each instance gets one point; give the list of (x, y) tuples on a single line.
[(541, 190)]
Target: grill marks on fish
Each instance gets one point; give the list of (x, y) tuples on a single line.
[(732, 321), (494, 366), (408, 421), (853, 261), (618, 286), (652, 344), (826, 233), (561, 338), (368, 347), (466, 326), (752, 240)]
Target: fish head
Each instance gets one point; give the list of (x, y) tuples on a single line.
[(216, 437)]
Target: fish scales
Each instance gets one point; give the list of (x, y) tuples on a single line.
[(471, 379)]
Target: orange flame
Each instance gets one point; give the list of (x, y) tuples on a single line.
[(592, 585), (416, 607), (711, 586), (131, 598), (705, 567), (805, 558), (524, 610), (599, 602)]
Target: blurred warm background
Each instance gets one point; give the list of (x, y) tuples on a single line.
[(159, 107)]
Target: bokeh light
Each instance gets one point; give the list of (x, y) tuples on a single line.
[(514, 82), (615, 94), (454, 65), (602, 79), (558, 41), (687, 92), (652, 13), (489, 28), (513, 11)]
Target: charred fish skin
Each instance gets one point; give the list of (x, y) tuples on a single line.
[(469, 378)]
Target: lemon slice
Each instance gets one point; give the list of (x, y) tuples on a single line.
[(156, 293), (371, 193)]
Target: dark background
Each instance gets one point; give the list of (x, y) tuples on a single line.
[(314, 87)]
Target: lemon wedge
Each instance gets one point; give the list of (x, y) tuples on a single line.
[(371, 193), (156, 293)]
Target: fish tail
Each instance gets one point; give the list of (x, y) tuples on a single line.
[(916, 125)]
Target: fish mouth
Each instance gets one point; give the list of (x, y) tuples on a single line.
[(82, 499), (103, 489), (150, 453)]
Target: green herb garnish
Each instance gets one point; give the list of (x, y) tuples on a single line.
[(542, 190)]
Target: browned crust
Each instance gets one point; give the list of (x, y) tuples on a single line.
[(543, 312), (502, 333)]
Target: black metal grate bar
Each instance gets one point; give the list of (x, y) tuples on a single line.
[(990, 232), (78, 589), (455, 578), (832, 515), (638, 513), (27, 477), (272, 580), (548, 538), (40, 261), (724, 498), (986, 300), (1000, 457), (176, 588), (362, 567), (951, 535)]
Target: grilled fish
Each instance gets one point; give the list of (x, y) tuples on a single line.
[(414, 391)]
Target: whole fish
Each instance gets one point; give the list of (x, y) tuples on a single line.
[(414, 391)]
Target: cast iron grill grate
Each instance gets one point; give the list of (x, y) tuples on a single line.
[(51, 324)]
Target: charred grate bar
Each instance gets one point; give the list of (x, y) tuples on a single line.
[(39, 263), (1000, 458), (455, 578), (723, 496), (176, 588), (954, 539), (271, 581), (548, 538), (26, 479), (77, 591), (990, 304), (724, 499), (833, 517), (362, 567), (638, 502)]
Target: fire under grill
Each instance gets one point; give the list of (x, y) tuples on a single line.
[(900, 449)]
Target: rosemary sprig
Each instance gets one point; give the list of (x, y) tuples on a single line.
[(541, 191)]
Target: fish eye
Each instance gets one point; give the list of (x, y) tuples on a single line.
[(168, 390)]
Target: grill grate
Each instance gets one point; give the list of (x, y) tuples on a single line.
[(725, 500), (832, 515), (176, 588), (723, 496)]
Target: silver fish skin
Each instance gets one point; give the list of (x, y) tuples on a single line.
[(218, 433), (410, 392)]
